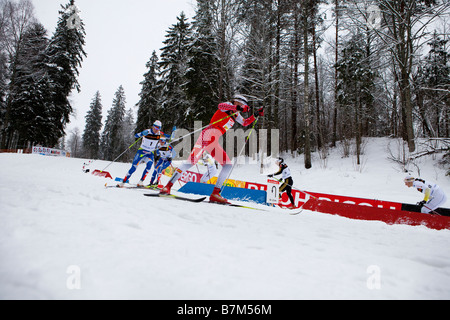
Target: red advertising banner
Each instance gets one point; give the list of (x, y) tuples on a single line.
[(300, 197), (378, 214), (190, 176), (350, 207)]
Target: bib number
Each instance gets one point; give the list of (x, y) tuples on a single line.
[(273, 191)]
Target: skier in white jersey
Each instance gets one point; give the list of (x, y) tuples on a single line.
[(211, 167), (150, 140), (434, 195), (288, 181)]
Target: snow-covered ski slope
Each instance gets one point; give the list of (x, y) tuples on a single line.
[(64, 236)]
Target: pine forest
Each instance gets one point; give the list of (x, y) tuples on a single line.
[(327, 72)]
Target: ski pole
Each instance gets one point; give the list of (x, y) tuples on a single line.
[(122, 153), (434, 212), (173, 134), (211, 124)]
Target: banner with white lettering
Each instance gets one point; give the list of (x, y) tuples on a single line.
[(50, 152)]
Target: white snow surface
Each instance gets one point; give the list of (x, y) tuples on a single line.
[(56, 219)]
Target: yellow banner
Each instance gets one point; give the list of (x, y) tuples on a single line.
[(229, 183), (169, 171)]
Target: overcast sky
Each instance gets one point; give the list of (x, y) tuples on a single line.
[(120, 38)]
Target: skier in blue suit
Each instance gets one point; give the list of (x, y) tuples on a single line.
[(165, 153), (150, 141)]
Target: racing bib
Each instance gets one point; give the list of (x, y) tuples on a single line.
[(227, 126)]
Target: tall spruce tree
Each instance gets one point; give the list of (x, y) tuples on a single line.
[(31, 92), (112, 141), (175, 108), (128, 130), (150, 95), (202, 86), (15, 18), (91, 134), (65, 55)]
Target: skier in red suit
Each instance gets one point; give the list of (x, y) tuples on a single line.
[(226, 116)]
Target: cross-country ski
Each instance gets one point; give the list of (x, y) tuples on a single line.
[(171, 196), (132, 186)]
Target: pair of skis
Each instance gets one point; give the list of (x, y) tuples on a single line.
[(193, 200), (199, 200), (132, 186)]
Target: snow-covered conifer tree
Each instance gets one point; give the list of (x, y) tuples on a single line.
[(112, 142), (150, 95), (91, 134), (175, 108), (65, 55), (202, 87), (15, 19), (128, 130), (30, 92)]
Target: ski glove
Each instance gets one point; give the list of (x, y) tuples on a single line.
[(421, 203), (259, 112), (243, 108)]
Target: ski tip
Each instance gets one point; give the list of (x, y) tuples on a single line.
[(151, 194)]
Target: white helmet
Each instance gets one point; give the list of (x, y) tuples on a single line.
[(241, 99), (279, 161), (158, 124)]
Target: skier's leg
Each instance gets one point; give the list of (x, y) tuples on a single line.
[(155, 171), (283, 186), (161, 169), (193, 159), (136, 160), (215, 195), (221, 156), (439, 198), (291, 198), (289, 184), (176, 175), (149, 158), (223, 175), (195, 155)]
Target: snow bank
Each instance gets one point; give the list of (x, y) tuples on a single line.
[(64, 236)]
